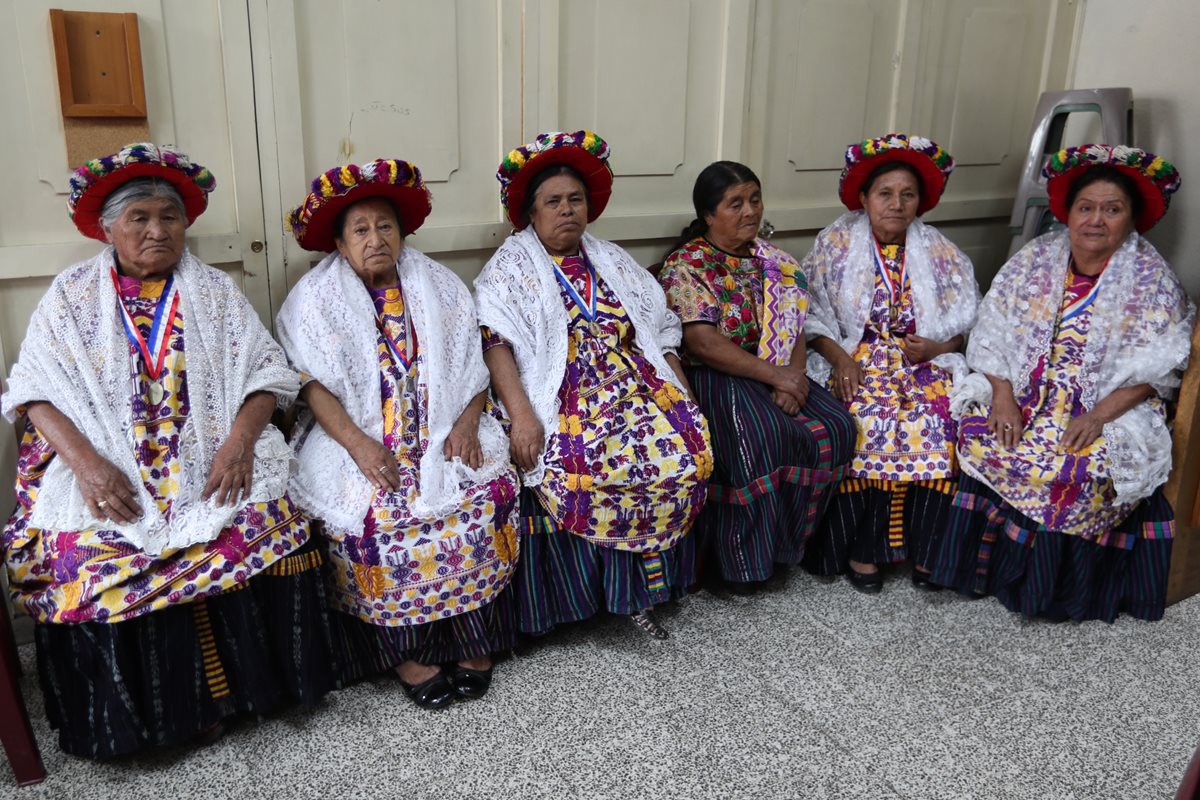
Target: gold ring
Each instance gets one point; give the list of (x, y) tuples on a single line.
[(1007, 426), (383, 468), (845, 378), (100, 504)]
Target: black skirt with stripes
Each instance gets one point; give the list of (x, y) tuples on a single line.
[(880, 522), (113, 689), (773, 474), (989, 547)]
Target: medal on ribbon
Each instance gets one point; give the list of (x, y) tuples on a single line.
[(152, 350), (586, 307), (893, 288)]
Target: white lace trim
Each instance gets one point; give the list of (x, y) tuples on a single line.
[(76, 357), (518, 299), (327, 326), (841, 278)]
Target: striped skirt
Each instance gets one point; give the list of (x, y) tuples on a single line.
[(562, 578), (880, 522), (773, 473), (989, 547), (112, 689), (365, 650)]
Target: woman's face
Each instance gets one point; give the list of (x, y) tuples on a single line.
[(370, 240), (891, 204), (559, 214), (736, 220), (148, 237), (1100, 219)]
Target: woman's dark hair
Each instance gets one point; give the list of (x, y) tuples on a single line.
[(892, 166), (537, 180), (1107, 174), (708, 192), (339, 222)]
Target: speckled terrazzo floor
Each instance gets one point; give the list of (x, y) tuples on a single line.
[(807, 690)]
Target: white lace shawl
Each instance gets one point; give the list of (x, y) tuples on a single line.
[(518, 299), (1140, 332), (841, 281), (76, 357), (327, 326)]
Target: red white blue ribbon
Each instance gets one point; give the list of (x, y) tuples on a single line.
[(884, 273), (153, 351), (403, 357), (588, 307)]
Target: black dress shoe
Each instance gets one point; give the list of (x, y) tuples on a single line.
[(432, 693), (867, 583), (471, 683), (920, 579)]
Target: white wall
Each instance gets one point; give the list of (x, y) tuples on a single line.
[(1150, 46)]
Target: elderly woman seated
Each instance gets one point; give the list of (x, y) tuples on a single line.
[(892, 301), (581, 346), (412, 480), (1063, 443), (150, 487), (780, 443)]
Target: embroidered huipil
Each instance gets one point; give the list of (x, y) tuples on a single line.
[(401, 570), (628, 467), (96, 575), (1068, 492), (905, 431)]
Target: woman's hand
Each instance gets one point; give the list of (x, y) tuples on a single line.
[(232, 473), (376, 462), (787, 403), (918, 349), (847, 377), (1005, 421), (1082, 431), (792, 382), (526, 440), (107, 491), (463, 443)]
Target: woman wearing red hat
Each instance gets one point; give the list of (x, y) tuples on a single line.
[(170, 577), (397, 458), (581, 347), (1063, 442), (892, 300)]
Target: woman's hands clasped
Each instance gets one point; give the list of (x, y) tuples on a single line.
[(789, 389)]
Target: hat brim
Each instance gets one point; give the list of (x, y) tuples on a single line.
[(91, 204), (597, 180), (933, 180), (411, 203), (1058, 189)]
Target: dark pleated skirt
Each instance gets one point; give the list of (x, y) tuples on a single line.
[(874, 525), (365, 650), (991, 548), (113, 689), (563, 578), (773, 474)]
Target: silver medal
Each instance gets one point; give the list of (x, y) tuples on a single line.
[(156, 393)]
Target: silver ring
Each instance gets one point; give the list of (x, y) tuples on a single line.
[(845, 378), (100, 504), (383, 468), (1008, 426)]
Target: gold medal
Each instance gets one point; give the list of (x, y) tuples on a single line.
[(596, 329), (156, 393)]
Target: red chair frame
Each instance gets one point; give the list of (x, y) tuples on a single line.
[(15, 731)]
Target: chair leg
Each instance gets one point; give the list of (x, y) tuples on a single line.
[(15, 730)]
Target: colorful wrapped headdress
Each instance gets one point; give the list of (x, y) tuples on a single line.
[(1155, 178), (584, 151), (337, 189), (932, 163), (92, 183)]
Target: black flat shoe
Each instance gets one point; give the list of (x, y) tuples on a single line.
[(470, 683), (432, 693), (920, 579), (867, 583)]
